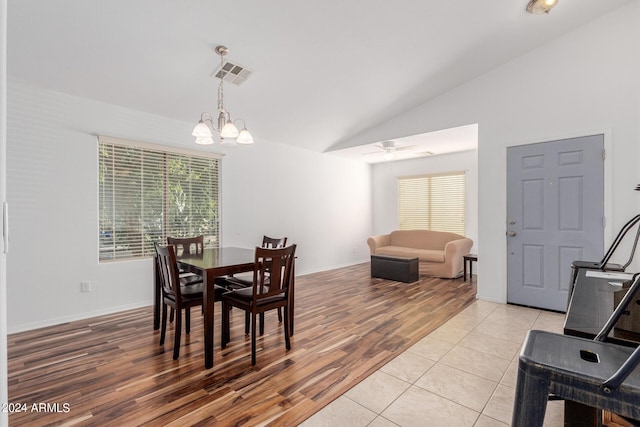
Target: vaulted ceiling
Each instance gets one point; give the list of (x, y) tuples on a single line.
[(322, 71)]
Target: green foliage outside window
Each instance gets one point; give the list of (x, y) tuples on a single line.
[(146, 195)]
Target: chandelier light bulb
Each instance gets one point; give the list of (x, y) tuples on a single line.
[(203, 140), (229, 130), (202, 130), (244, 137)]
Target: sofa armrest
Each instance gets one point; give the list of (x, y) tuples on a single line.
[(376, 242), (456, 249)]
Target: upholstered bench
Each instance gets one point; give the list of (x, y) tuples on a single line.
[(394, 268)]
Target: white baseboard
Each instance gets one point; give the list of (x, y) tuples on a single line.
[(78, 316), (331, 267)]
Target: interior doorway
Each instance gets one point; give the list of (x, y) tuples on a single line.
[(555, 215)]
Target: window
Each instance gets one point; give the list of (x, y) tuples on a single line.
[(432, 202), (149, 192)]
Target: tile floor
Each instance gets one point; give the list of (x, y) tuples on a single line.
[(462, 374)]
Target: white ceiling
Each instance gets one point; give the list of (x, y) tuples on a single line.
[(323, 71), (446, 141)]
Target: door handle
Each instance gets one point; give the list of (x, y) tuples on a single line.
[(511, 233)]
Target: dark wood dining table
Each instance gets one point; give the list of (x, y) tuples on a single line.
[(212, 263)]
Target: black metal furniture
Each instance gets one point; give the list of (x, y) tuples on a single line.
[(591, 372), (604, 263), (395, 268)]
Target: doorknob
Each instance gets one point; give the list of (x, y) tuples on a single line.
[(511, 233)]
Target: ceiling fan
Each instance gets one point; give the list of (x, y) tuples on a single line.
[(389, 148)]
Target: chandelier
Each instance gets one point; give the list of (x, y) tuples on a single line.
[(226, 128)]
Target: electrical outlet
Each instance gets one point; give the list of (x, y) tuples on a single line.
[(85, 286)]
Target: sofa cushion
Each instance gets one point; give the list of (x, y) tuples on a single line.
[(422, 239), (422, 254)]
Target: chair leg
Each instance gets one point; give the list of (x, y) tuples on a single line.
[(287, 338), (253, 338), (224, 334), (261, 324), (279, 314), (247, 322), (178, 331), (163, 331), (171, 315), (530, 401), (187, 318)]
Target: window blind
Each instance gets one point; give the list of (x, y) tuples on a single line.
[(432, 202), (149, 192)]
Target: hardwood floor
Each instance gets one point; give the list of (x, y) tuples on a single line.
[(110, 370)]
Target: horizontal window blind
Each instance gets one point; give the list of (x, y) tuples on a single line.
[(148, 193), (432, 202)]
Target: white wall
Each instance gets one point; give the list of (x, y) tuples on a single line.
[(319, 201), (323, 204), (584, 82), (385, 188), (4, 394)]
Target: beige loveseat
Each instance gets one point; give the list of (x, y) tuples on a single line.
[(439, 253)]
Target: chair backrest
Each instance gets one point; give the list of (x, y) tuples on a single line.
[(187, 245), (616, 242), (168, 269), (274, 242), (273, 271)]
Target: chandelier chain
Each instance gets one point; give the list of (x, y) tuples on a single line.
[(220, 86)]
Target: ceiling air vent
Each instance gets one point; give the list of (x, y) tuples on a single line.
[(232, 73)]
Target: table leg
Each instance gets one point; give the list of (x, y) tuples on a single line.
[(292, 299), (464, 271), (156, 296), (209, 295), (470, 270)]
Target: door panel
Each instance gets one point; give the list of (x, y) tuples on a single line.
[(555, 210), (533, 201)]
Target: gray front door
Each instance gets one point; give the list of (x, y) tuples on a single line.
[(555, 215)]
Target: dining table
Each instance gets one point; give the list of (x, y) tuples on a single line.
[(212, 263)]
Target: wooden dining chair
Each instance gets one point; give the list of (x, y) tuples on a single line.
[(272, 277), (175, 295), (244, 281), (191, 246)]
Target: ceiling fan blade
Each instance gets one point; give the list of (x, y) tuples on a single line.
[(406, 147), (424, 153)]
